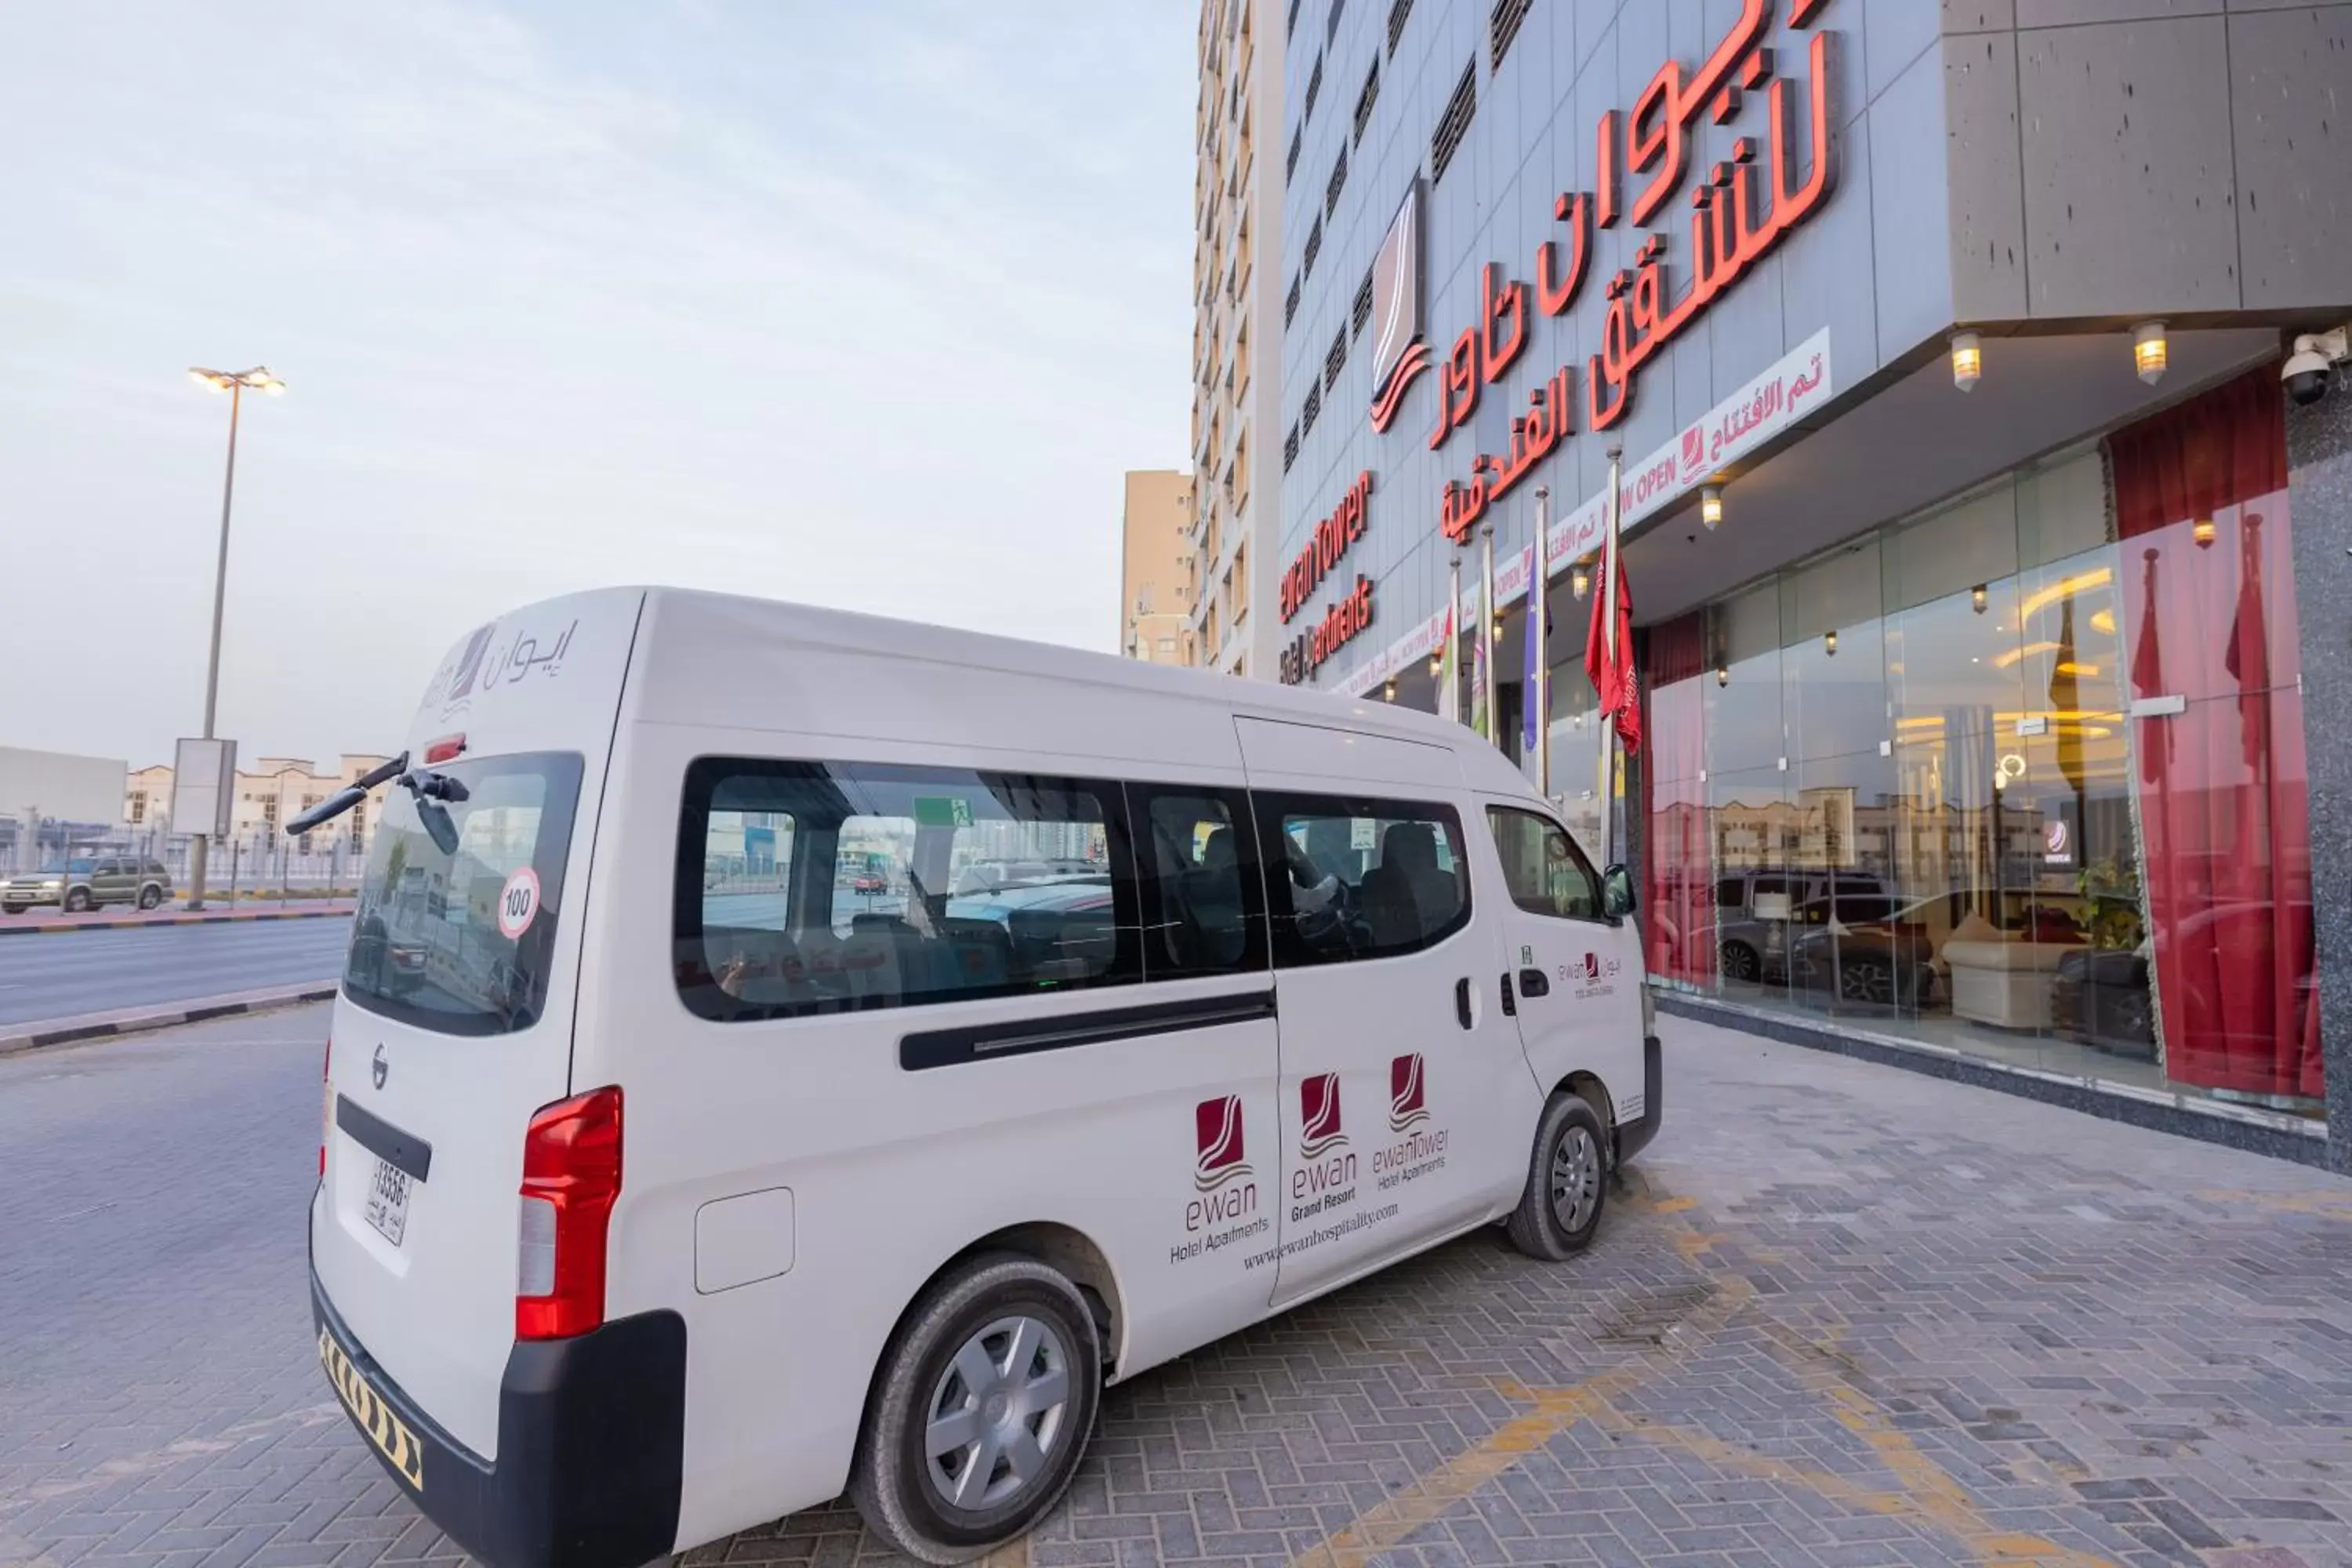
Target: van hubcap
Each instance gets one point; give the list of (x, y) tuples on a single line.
[(999, 1413), (1575, 1179)]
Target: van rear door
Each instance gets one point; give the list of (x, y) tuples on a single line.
[(453, 1023)]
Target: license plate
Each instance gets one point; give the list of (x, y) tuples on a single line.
[(387, 1201)]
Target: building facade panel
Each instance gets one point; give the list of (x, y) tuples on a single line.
[(1920, 759)]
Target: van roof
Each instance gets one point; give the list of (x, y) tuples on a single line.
[(726, 649)]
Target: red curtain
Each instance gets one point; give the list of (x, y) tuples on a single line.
[(1679, 906), (2209, 593)]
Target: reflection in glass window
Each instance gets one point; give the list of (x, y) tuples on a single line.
[(1546, 874), (1203, 899), (1365, 879), (813, 887), (459, 939)]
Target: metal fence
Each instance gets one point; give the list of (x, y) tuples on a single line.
[(257, 863)]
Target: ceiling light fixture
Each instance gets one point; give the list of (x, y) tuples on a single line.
[(1967, 359), (2150, 354)]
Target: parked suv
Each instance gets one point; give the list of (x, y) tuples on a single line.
[(82, 883)]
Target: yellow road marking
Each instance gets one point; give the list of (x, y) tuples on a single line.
[(2324, 1204), (1925, 1494)]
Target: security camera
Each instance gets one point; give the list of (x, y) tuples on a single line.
[(2312, 365)]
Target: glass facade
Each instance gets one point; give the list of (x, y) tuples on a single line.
[(2022, 777)]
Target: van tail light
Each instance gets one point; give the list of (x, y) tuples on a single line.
[(571, 1176), (326, 1104)]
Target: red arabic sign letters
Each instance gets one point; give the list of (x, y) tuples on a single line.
[(1643, 161)]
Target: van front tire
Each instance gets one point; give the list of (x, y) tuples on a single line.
[(1568, 1184), (980, 1412)]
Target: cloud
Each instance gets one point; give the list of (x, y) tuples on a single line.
[(864, 306)]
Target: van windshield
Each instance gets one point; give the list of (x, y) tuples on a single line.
[(456, 916)]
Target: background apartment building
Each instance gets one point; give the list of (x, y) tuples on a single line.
[(1236, 398), (1156, 568)]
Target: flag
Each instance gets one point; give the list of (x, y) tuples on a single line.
[(2067, 721), (1531, 726), (1613, 678), (2147, 679), (2248, 659), (1478, 683), (1449, 668)]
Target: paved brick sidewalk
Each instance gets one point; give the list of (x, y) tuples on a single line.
[(1848, 1316)]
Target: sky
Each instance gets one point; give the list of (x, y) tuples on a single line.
[(863, 305)]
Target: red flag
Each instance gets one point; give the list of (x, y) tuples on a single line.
[(1613, 679), (2248, 659), (2147, 679)]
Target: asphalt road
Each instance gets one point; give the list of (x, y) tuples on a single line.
[(65, 976), (1843, 1315)]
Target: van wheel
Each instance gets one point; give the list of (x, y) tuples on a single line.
[(1567, 1184), (984, 1405)]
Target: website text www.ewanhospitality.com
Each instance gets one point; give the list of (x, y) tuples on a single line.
[(1316, 1238)]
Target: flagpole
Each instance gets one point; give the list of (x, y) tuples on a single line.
[(1539, 606), (1486, 629), (1607, 587), (1449, 701)]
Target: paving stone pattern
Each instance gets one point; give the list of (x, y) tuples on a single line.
[(1841, 1314)]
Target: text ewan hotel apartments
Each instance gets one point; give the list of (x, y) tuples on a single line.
[(1973, 368)]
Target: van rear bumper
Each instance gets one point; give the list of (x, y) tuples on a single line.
[(1633, 1137), (592, 1435)]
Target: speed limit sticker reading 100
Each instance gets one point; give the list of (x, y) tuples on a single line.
[(518, 903)]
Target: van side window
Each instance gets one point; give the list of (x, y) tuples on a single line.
[(808, 887), (1542, 867), (1203, 900), (1350, 878)]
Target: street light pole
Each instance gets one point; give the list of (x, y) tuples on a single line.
[(234, 384)]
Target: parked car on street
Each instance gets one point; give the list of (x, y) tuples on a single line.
[(84, 882)]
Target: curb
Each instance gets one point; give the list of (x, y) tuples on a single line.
[(17, 1038), (59, 928)]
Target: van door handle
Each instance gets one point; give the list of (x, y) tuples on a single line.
[(1461, 1000), (1533, 983)]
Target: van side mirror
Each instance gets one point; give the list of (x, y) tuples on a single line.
[(1617, 892)]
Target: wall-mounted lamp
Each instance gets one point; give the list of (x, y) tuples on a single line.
[(1967, 359), (1437, 662), (1829, 643), (1977, 598), (1580, 579), (2203, 531), (1722, 675), (2150, 352), (1710, 507), (1388, 691)]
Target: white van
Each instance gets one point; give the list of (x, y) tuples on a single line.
[(785, 1052)]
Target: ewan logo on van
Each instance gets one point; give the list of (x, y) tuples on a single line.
[(1217, 1124), (1407, 1109), (1319, 1116)]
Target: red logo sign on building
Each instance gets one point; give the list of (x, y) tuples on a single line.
[(1398, 354)]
